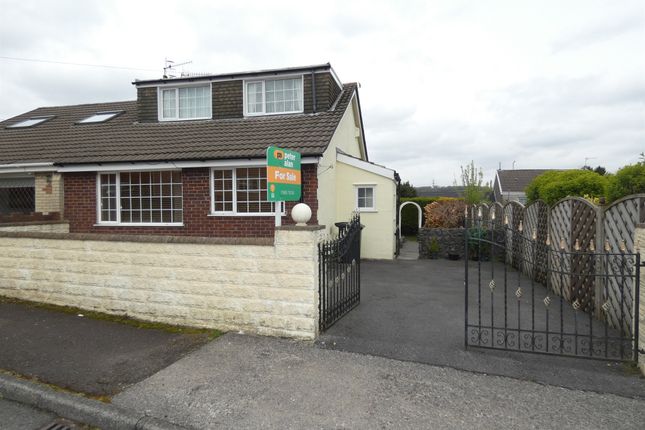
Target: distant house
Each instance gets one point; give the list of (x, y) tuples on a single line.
[(187, 158), (511, 184)]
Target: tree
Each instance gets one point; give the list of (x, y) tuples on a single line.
[(555, 185), (472, 179), (404, 189), (599, 170), (628, 180)]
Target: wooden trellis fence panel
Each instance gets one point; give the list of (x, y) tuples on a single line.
[(584, 219), (619, 224), (560, 238), (536, 220)]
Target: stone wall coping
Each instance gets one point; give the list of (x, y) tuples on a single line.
[(300, 227), (259, 241), (24, 223)]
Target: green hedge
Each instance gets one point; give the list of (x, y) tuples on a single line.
[(555, 185), (410, 215)]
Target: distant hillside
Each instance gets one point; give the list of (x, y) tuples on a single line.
[(448, 191)]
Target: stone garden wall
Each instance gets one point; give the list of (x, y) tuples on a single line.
[(267, 286), (449, 240)]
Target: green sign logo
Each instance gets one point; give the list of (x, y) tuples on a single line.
[(283, 175)]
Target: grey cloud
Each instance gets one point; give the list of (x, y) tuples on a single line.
[(599, 32)]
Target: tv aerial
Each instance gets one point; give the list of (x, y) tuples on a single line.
[(169, 66)]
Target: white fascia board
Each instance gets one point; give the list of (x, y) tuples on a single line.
[(204, 80), (364, 165), (171, 165), (27, 167), (498, 181)]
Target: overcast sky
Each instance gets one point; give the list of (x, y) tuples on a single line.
[(542, 84)]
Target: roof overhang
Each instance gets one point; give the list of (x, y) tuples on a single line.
[(318, 68), (366, 165), (27, 167), (170, 165)]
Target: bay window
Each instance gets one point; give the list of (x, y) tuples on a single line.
[(273, 96), (240, 191), (193, 102), (140, 198)]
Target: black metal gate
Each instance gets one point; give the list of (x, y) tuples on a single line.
[(526, 294), (339, 273)]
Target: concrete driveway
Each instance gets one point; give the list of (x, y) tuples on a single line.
[(414, 311)]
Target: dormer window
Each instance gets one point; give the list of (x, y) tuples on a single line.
[(184, 103), (31, 122), (273, 96)]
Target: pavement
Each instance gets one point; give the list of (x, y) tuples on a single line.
[(409, 250), (247, 382), (414, 311), (95, 357)]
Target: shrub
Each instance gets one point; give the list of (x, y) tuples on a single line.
[(628, 180), (445, 214), (555, 185)]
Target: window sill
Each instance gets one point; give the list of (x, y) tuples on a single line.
[(139, 224), (184, 119), (253, 115), (230, 214), (368, 210)]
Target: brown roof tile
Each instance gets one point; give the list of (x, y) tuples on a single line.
[(62, 141), (517, 180)]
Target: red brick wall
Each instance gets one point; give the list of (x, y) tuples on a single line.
[(80, 208)]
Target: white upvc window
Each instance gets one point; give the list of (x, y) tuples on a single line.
[(140, 198), (241, 191), (273, 96), (366, 198), (185, 103)]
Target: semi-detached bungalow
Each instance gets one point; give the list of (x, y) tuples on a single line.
[(187, 159)]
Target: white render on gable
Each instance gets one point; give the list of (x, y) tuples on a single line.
[(341, 171)]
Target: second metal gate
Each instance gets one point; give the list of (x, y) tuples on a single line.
[(536, 297)]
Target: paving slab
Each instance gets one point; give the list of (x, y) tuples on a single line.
[(82, 354), (414, 311), (246, 382)]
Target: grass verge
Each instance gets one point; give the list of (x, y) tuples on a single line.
[(121, 319)]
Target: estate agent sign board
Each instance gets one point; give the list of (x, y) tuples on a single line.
[(283, 175)]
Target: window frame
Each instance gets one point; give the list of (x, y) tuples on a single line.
[(365, 209), (100, 222), (162, 88), (41, 119), (264, 98), (234, 212)]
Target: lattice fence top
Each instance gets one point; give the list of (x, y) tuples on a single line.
[(620, 220)]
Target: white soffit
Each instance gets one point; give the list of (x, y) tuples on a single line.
[(364, 165)]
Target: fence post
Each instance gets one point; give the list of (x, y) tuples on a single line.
[(600, 245)]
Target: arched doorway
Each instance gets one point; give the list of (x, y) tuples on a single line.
[(400, 209)]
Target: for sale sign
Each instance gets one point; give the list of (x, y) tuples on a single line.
[(283, 175)]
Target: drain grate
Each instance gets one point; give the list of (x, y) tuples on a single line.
[(59, 424)]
